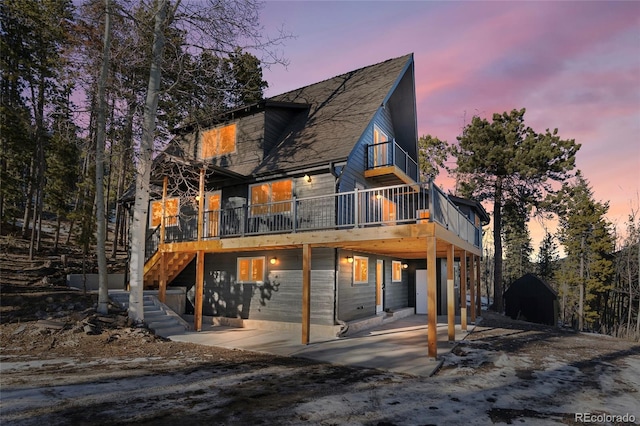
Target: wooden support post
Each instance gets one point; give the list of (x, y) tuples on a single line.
[(306, 293), (451, 295), (463, 291), (163, 219), (432, 297), (201, 206), (162, 290), (197, 317), (472, 287), (478, 292)]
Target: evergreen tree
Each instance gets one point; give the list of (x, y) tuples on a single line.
[(63, 159), (432, 153), (504, 160), (547, 260), (588, 240), (517, 241)]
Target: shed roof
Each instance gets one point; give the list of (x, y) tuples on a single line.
[(530, 279)]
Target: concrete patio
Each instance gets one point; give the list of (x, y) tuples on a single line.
[(399, 346)]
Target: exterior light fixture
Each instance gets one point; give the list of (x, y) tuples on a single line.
[(273, 260), (307, 178), (405, 266), (378, 196), (350, 259)]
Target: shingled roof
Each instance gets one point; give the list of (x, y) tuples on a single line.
[(339, 110)]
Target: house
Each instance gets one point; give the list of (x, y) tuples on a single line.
[(305, 209), (531, 299)]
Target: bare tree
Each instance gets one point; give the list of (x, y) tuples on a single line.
[(215, 26)]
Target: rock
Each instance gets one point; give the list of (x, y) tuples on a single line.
[(19, 330), (106, 319), (90, 329), (50, 325)]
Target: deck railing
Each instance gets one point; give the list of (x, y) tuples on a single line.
[(389, 153), (385, 206)]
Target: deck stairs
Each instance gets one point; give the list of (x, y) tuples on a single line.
[(157, 316), (174, 264)]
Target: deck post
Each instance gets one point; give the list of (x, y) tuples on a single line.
[(451, 295), (463, 291), (162, 287), (201, 206), (472, 287), (197, 317), (432, 295), (306, 293), (163, 219), (479, 293)]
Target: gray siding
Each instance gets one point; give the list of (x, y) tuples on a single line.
[(357, 301), (353, 171), (279, 298)]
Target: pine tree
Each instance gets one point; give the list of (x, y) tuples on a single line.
[(587, 238), (505, 160)]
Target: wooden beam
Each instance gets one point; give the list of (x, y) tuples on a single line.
[(463, 291), (451, 295), (162, 287), (432, 297), (306, 293), (197, 317), (478, 289), (201, 206), (472, 287)]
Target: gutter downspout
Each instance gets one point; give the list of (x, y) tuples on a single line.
[(344, 327)]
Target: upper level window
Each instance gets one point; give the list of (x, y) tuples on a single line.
[(271, 197), (380, 147), (172, 206), (218, 141)]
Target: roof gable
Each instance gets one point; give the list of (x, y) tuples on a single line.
[(339, 110)]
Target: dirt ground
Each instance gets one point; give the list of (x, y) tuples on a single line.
[(62, 363)]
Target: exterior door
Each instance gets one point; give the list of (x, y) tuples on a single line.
[(421, 291), (379, 286), (212, 214), (380, 148)]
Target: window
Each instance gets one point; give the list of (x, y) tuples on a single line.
[(272, 197), (212, 214), (388, 210), (171, 211), (380, 147), (251, 269), (218, 141), (396, 273), (360, 270)]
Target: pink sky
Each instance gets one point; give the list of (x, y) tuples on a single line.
[(575, 66)]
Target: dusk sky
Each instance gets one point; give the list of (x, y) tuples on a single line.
[(574, 66)]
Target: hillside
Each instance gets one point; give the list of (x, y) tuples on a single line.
[(62, 363)]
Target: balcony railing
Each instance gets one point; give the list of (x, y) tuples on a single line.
[(385, 206), (389, 153)]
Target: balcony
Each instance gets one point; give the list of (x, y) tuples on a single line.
[(385, 206), (386, 163)]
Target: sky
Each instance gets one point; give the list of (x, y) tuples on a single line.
[(574, 66)]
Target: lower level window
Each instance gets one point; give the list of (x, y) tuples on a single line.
[(251, 269), (360, 270)]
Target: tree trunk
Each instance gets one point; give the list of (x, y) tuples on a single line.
[(125, 158), (103, 290), (497, 241), (141, 204)]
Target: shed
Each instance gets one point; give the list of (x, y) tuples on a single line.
[(531, 299)]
